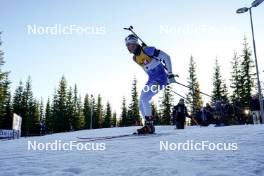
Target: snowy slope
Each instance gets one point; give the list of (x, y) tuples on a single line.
[(140, 155)]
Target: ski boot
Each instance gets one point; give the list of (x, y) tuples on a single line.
[(148, 128)]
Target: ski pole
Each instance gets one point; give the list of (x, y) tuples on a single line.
[(180, 95), (130, 28), (194, 121), (192, 88)]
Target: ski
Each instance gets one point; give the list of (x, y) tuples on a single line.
[(90, 139), (105, 137)]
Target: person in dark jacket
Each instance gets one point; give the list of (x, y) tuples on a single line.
[(179, 114), (255, 109)]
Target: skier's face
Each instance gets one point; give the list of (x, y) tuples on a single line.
[(132, 47)]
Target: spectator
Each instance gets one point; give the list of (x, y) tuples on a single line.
[(255, 109), (203, 116), (218, 113), (209, 112), (43, 128), (227, 113), (179, 114)]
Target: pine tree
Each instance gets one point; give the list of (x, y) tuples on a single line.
[(49, 121), (9, 113), (236, 79), (247, 83), (98, 119), (93, 110), (130, 117), (35, 118), (155, 113), (225, 93), (166, 106), (30, 111), (54, 112), (80, 124), (5, 105), (2, 76), (114, 120), (194, 98), (107, 116), (17, 100), (70, 109), (27, 100), (134, 115), (124, 118), (41, 111), (87, 112), (5, 96), (61, 122), (77, 118), (220, 91)]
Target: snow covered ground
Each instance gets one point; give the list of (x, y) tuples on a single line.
[(140, 155)]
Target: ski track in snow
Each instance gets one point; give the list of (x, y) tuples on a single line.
[(140, 156)]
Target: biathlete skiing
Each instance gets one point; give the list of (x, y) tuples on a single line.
[(157, 65)]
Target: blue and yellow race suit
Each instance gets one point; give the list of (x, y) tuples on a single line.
[(151, 60)]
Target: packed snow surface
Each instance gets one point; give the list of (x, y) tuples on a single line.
[(139, 155)]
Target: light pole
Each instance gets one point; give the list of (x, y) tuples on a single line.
[(243, 10)]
